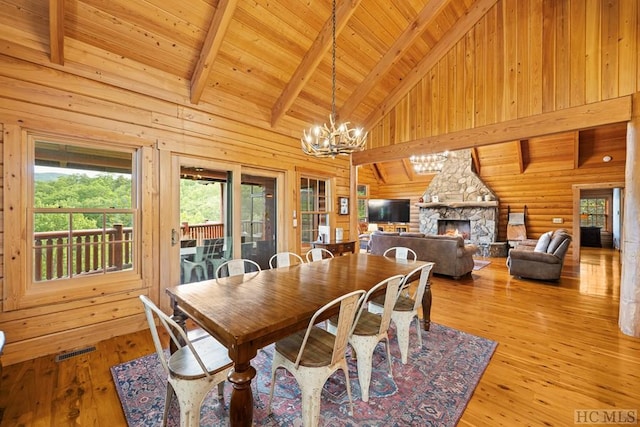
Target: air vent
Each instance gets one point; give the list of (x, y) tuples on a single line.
[(65, 356)]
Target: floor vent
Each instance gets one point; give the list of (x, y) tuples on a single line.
[(65, 356)]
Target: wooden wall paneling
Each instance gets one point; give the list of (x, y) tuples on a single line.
[(577, 52), (593, 58), (479, 76), (499, 58), (548, 56), (523, 65), (628, 47), (468, 120), (562, 54), (414, 109), (2, 218), (451, 89), (609, 47), (554, 152), (536, 48), (460, 85), (511, 58), (435, 101), (492, 70)]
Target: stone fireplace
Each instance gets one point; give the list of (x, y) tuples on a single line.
[(458, 202)]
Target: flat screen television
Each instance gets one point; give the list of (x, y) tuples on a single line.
[(388, 210)]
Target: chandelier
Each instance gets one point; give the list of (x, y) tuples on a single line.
[(429, 163), (329, 141)]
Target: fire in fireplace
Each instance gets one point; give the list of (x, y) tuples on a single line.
[(455, 227)]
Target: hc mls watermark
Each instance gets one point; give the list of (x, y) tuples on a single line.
[(605, 416)]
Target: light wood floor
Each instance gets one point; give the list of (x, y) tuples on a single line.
[(559, 350)]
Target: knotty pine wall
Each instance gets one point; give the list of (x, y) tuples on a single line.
[(33, 97), (523, 58)]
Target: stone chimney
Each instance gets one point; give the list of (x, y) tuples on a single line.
[(457, 182)]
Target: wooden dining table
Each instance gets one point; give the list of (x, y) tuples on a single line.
[(250, 311)]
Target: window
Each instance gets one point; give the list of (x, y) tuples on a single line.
[(363, 195), (313, 207), (83, 221), (593, 212)]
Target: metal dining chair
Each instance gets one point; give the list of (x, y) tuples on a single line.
[(314, 354), (285, 259), (369, 329), (318, 254), (192, 370), (401, 252), (406, 308), (236, 267)]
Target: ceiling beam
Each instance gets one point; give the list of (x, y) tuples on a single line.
[(217, 30), (395, 52), (616, 110), (448, 41), (312, 59), (519, 155), (408, 169), (56, 31)]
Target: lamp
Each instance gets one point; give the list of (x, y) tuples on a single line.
[(429, 163), (330, 141)]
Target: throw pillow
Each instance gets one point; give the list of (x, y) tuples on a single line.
[(543, 242), (555, 243)]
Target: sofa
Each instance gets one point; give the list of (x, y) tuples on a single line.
[(542, 261), (452, 257)]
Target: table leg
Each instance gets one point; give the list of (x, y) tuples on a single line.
[(241, 406), (426, 307)]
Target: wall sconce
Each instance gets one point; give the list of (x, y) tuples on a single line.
[(607, 159)]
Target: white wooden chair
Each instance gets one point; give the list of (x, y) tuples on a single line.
[(406, 308), (284, 259), (235, 267), (401, 253), (370, 329), (192, 370), (313, 355), (318, 254)]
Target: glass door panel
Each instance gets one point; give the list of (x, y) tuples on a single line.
[(258, 217)]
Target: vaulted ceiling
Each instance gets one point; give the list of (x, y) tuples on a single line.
[(269, 59)]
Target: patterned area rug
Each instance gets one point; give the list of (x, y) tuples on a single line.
[(431, 390), (479, 263)]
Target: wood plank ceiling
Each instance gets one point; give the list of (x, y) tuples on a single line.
[(266, 62)]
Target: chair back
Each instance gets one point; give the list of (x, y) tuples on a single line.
[(213, 248), (236, 267), (350, 305), (318, 254), (424, 272), (177, 335), (392, 285), (401, 252), (283, 259)]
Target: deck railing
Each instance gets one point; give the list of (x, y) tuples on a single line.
[(96, 250)]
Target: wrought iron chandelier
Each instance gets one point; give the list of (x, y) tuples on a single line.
[(330, 141), (430, 163)]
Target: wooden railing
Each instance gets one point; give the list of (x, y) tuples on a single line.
[(92, 251)]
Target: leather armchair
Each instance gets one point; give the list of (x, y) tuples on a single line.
[(542, 262)]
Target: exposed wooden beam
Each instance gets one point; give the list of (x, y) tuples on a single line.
[(576, 150), (475, 160), (312, 59), (519, 155), (213, 41), (448, 41), (395, 52), (379, 172), (56, 31), (408, 169), (616, 110)]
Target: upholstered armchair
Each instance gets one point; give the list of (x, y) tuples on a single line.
[(543, 261)]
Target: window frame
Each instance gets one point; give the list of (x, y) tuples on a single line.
[(318, 210), (20, 281)]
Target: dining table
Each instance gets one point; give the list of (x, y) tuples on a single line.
[(248, 312)]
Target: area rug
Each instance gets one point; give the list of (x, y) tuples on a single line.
[(479, 263), (431, 390)]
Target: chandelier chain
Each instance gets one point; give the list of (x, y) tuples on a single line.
[(333, 61)]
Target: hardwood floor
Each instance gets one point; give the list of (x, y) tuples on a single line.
[(559, 351)]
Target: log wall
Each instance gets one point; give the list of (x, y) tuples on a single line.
[(33, 97)]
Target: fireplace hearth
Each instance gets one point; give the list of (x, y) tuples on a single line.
[(455, 227)]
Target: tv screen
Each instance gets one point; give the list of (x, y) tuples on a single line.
[(388, 210)]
